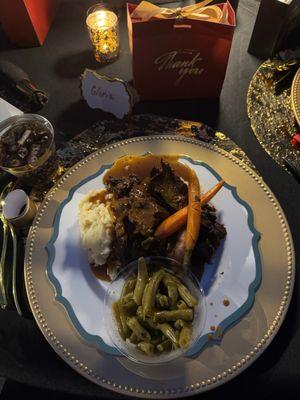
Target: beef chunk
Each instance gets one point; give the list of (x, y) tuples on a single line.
[(169, 190), (211, 234), (121, 187), (144, 212)]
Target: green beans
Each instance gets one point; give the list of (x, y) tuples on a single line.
[(144, 299), (141, 281), (123, 318), (166, 345), (150, 323), (156, 340), (133, 339), (184, 292), (174, 315), (185, 336), (155, 311), (130, 305), (179, 324), (128, 287), (127, 301), (138, 329), (139, 313), (126, 298), (161, 300), (187, 296), (150, 292), (181, 305), (171, 287), (146, 347), (169, 332)]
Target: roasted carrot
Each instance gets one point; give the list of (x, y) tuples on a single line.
[(193, 217), (172, 224), (177, 220), (212, 192)]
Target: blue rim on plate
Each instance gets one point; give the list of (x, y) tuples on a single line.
[(211, 337)]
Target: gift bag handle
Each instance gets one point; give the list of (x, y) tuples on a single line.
[(202, 11)]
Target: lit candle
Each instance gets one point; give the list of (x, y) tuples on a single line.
[(103, 27)]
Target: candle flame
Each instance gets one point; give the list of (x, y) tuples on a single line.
[(101, 18)]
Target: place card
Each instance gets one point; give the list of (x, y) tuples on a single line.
[(108, 94)]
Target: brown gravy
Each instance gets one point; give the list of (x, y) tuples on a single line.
[(142, 166), (100, 273)]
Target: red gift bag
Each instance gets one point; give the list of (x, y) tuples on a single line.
[(27, 22), (175, 56)]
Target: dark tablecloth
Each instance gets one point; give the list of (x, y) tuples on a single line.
[(25, 356)]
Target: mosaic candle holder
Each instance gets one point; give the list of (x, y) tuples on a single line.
[(103, 28)]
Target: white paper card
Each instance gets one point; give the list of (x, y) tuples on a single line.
[(108, 94), (7, 110)]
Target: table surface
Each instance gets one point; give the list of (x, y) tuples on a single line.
[(25, 356)]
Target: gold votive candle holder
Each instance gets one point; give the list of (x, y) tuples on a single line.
[(103, 28)]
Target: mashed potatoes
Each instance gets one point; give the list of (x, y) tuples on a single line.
[(96, 227)]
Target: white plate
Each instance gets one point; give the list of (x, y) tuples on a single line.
[(234, 274)]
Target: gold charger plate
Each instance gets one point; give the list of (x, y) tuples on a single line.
[(295, 96), (216, 364), (271, 114)]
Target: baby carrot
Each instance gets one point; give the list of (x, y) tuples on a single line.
[(172, 224), (193, 217), (211, 192), (177, 220)]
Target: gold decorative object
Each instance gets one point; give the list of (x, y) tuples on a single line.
[(295, 96), (270, 110), (103, 27)]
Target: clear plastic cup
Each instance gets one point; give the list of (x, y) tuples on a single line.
[(40, 162), (113, 294)]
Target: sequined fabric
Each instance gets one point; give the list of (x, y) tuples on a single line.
[(270, 112)]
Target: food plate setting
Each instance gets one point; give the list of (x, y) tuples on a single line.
[(139, 235), (229, 281), (110, 310)]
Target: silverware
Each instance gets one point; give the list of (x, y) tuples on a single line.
[(8, 228), (14, 268), (3, 289)]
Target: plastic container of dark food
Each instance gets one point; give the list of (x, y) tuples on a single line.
[(27, 147)]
